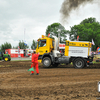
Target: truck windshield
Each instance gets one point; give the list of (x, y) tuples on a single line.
[(0, 54), (42, 43)]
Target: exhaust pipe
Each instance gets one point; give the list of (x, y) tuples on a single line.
[(56, 47)]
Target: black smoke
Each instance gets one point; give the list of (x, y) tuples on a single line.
[(69, 5)]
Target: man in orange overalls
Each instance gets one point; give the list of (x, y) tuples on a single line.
[(35, 63)]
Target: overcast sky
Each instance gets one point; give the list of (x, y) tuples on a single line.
[(33, 16)]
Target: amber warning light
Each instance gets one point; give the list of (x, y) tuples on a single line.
[(42, 36)]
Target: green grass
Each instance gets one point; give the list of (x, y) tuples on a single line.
[(94, 62), (65, 64)]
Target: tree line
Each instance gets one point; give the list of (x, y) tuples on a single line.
[(21, 45), (87, 30)]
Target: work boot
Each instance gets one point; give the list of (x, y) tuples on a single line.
[(32, 74), (37, 74)]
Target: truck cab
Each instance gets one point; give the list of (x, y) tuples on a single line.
[(45, 46)]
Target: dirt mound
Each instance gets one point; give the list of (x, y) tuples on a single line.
[(61, 83)]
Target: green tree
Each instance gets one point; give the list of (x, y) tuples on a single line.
[(5, 46), (87, 30), (22, 45), (56, 29), (15, 47), (34, 44), (89, 20)]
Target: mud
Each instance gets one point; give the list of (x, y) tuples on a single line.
[(61, 83)]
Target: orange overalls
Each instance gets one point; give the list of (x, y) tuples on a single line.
[(35, 62)]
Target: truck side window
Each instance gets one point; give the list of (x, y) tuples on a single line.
[(53, 43), (42, 43)]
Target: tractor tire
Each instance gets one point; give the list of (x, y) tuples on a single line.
[(46, 62), (6, 59), (9, 59), (78, 63)]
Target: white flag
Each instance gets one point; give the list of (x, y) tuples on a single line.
[(25, 43), (93, 42)]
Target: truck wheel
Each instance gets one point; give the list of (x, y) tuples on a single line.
[(46, 62), (6, 59), (79, 63)]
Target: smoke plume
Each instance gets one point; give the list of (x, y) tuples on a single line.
[(69, 5)]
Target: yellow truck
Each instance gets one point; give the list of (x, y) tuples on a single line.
[(77, 52)]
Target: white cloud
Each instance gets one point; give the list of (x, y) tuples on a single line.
[(34, 16), (3, 3)]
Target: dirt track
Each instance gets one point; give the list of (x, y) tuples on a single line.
[(61, 83)]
